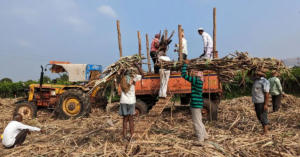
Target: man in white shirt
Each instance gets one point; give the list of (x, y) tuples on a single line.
[(15, 132), (128, 100), (184, 48), (208, 44)]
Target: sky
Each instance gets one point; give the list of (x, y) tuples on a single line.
[(33, 32)]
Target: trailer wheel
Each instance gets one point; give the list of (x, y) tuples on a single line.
[(140, 108), (73, 103), (26, 109), (212, 111)]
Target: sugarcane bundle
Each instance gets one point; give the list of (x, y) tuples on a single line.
[(228, 66), (114, 71)]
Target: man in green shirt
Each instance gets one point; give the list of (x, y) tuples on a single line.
[(196, 100), (275, 91)]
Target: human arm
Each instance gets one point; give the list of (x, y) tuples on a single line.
[(139, 69), (184, 73), (21, 126), (278, 84), (266, 89)]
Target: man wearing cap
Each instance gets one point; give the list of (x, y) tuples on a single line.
[(260, 98), (154, 51), (196, 105), (208, 44), (184, 48), (275, 91)]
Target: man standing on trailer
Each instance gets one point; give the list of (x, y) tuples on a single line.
[(128, 99), (196, 104), (208, 44), (154, 52), (184, 48), (260, 98)]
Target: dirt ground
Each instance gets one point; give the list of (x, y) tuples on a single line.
[(237, 133)]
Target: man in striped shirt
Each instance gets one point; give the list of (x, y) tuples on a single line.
[(197, 100)]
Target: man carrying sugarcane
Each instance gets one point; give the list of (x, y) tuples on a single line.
[(154, 52), (196, 104), (275, 91), (128, 99), (260, 98), (207, 43)]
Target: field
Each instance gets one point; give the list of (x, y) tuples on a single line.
[(237, 133)]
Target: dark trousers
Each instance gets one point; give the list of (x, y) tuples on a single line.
[(20, 138), (276, 101), (153, 55), (261, 114), (184, 57)]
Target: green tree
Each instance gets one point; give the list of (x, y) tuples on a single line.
[(6, 80)]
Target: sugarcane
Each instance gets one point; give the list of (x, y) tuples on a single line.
[(230, 65), (115, 70)]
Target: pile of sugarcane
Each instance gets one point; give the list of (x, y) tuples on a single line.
[(114, 71), (228, 66)]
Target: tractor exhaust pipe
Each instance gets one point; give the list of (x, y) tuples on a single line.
[(42, 77)]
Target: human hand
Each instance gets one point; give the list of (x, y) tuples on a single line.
[(186, 61), (43, 131), (266, 107)]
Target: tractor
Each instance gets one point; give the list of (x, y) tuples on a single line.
[(66, 100)]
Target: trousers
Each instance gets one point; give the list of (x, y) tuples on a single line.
[(198, 124), (261, 114), (276, 101)]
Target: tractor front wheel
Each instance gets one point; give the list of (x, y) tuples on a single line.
[(73, 103), (26, 109)]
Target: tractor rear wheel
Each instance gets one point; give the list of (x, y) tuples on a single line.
[(26, 109), (140, 108), (73, 103), (212, 109)]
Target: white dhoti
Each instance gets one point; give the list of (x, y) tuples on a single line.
[(164, 79), (209, 53), (198, 124)]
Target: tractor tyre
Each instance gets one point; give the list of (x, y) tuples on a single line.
[(26, 109), (100, 101), (73, 103), (140, 108), (212, 111)]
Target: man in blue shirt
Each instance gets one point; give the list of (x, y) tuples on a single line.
[(260, 98)]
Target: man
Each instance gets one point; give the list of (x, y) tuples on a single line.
[(15, 132), (275, 91), (128, 99), (164, 78), (208, 44), (260, 98), (184, 48), (154, 51), (196, 100)]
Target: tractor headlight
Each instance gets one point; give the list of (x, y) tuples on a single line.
[(53, 93)]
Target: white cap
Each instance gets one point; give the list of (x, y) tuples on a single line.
[(200, 29)]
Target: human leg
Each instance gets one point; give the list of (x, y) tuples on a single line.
[(197, 123), (276, 101), (131, 125), (20, 138), (125, 120)]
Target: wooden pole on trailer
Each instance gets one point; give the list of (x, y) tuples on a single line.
[(148, 53), (180, 42), (119, 38), (215, 52), (166, 34), (140, 46)]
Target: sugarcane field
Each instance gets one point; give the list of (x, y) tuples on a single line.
[(149, 78)]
